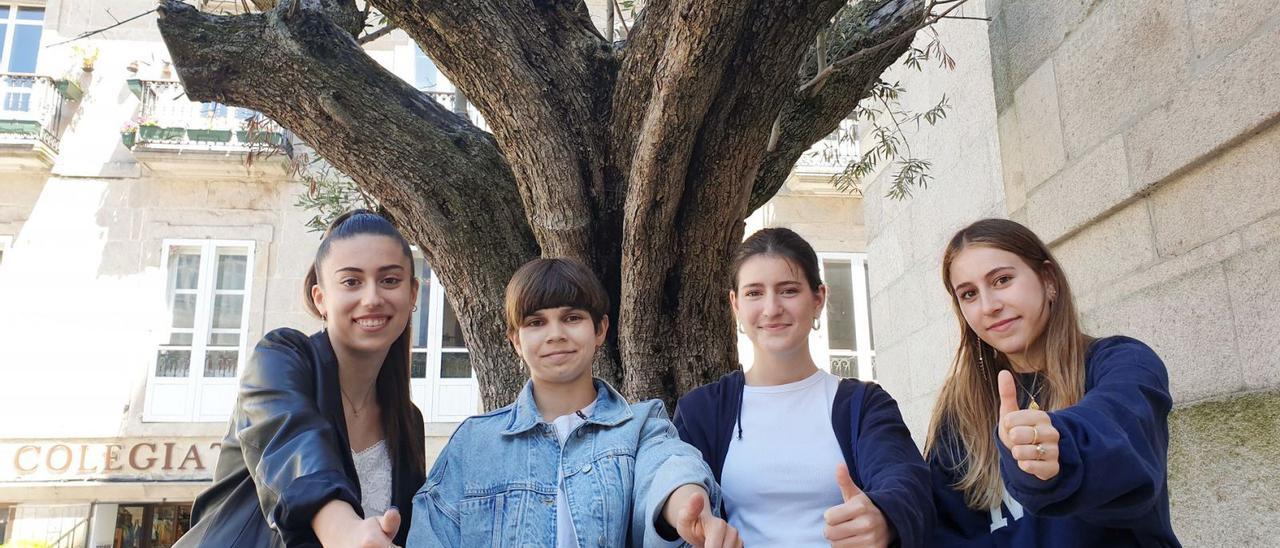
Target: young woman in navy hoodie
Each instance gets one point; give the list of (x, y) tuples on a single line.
[(804, 458), (1042, 436)]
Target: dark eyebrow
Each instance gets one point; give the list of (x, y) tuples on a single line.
[(994, 270), (359, 271)]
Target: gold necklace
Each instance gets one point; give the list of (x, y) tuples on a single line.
[(1031, 394), (356, 410)]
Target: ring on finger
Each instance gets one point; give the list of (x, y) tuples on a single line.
[(1040, 451), (1035, 435)]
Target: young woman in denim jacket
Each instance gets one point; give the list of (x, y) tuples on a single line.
[(570, 463), (781, 437)]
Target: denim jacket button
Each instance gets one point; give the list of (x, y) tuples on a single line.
[(601, 541), (586, 469)]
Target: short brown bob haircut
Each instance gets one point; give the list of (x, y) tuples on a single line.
[(553, 283)]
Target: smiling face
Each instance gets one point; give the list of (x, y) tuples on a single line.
[(1002, 298), (774, 304), (558, 344), (366, 293)]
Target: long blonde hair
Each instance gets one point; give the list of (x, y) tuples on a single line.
[(967, 409)]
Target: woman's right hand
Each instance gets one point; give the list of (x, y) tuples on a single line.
[(337, 525)]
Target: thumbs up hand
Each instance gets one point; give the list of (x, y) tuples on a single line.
[(857, 521), (1027, 433), (689, 512)]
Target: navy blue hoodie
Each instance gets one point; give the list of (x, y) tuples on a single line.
[(886, 464), (1111, 489)]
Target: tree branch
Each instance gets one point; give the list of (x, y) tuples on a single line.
[(883, 30), (422, 161), (541, 65), (376, 34)]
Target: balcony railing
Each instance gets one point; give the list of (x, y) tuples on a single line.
[(170, 120), (833, 152), (31, 110), (173, 121)]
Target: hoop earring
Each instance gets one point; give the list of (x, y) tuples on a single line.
[(325, 320), (740, 329), (817, 323), (982, 362)]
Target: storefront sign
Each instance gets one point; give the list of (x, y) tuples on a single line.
[(150, 458)]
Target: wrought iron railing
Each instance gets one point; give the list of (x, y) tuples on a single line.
[(169, 119), (31, 109), (833, 152)]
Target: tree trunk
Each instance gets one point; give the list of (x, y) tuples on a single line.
[(641, 160)]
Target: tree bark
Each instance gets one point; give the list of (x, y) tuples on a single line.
[(641, 159)]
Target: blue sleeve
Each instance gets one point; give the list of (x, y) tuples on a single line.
[(435, 513), (894, 475), (1114, 443), (290, 449), (690, 428), (957, 525), (663, 463)]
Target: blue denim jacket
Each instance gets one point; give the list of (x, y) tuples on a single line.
[(495, 483)]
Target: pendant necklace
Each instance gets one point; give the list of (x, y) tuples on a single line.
[(1031, 394), (356, 410)]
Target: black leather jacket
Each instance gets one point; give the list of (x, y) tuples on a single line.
[(287, 454)]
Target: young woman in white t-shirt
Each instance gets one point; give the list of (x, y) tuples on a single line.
[(805, 458)]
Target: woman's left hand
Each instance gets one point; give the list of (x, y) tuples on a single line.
[(1028, 433)]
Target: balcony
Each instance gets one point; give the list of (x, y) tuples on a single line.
[(172, 122), (830, 155), (31, 114)]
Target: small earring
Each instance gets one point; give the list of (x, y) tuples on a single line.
[(982, 362), (415, 308), (740, 329), (817, 323), (325, 320)]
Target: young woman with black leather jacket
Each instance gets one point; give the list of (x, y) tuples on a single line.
[(324, 443)]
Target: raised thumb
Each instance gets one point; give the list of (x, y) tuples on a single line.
[(693, 509), (848, 489), (390, 522), (1008, 393)]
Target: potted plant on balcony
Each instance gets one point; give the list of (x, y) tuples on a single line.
[(129, 134), (68, 88), (88, 56), (254, 132), (209, 135), (135, 86), (150, 131)]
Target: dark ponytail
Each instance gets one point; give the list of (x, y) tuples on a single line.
[(392, 385)]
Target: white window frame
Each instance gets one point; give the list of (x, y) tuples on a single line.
[(197, 386), (820, 345), (12, 21), (429, 392)]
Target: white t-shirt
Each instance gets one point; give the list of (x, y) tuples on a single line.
[(566, 536), (781, 476)]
